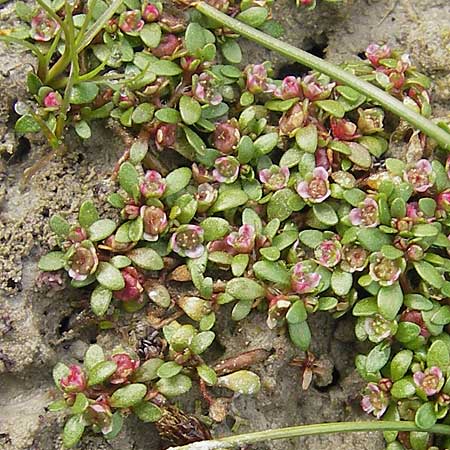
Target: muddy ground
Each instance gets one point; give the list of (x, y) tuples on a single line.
[(38, 329)]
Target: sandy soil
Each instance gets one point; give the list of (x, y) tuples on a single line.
[(38, 329)]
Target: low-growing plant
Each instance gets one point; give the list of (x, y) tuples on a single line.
[(289, 199)]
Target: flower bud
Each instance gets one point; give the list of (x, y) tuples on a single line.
[(155, 222), (133, 287), (314, 90), (242, 241), (165, 135), (206, 195), (130, 22), (204, 89), (113, 245), (125, 367), (443, 201), (290, 88), (77, 234), (257, 79), (370, 120), (150, 12), (130, 211), (328, 253), (124, 98), (75, 381), (225, 137), (415, 252), (343, 129), (375, 53), (303, 282), (292, 120), (420, 176), (52, 101)]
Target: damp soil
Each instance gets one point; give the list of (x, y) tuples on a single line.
[(38, 328)]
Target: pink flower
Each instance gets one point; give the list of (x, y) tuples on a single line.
[(443, 201), (204, 89), (226, 169), (378, 328), (375, 53), (290, 88), (376, 401), (242, 241), (52, 101), (303, 282), (130, 211), (225, 137), (412, 210), (154, 185), (257, 79), (167, 47), (278, 307), (150, 13), (420, 176), (130, 22), (133, 287), (383, 270), (430, 381), (75, 381), (187, 241), (316, 187), (344, 130), (366, 215), (275, 178), (99, 414), (354, 258), (125, 367), (84, 261), (155, 222), (328, 253), (77, 234), (43, 28), (314, 90)]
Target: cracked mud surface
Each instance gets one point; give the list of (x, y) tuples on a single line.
[(38, 329)]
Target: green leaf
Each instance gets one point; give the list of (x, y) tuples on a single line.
[(242, 382), (300, 335), (51, 261), (239, 264), (438, 355), (278, 206), (93, 356), (325, 214), (266, 143), (100, 300), (365, 307), (390, 300), (59, 371), (360, 155), (88, 214), (168, 115), (424, 230), (169, 369), (146, 258), (273, 272), (332, 107), (306, 138), (372, 239), (163, 67), (231, 198), (194, 38), (254, 16), (83, 129), (143, 113), (244, 289), (147, 412), (407, 332), (311, 238), (129, 178), (378, 357), (148, 371), (207, 374), (101, 229), (83, 92), (175, 386), (73, 430), (116, 425), (177, 180), (241, 310), (190, 109), (59, 225), (128, 396), (151, 35), (109, 277), (297, 312), (26, 124), (400, 364), (101, 372), (441, 316), (403, 388), (341, 282), (425, 416), (80, 404), (429, 274), (201, 342), (231, 51), (57, 405), (419, 302)]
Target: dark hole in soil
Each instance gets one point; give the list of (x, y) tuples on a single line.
[(64, 325), (21, 151), (45, 212), (317, 48), (362, 55), (13, 284), (334, 382), (80, 158)]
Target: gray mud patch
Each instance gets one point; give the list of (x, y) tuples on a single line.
[(38, 328)]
